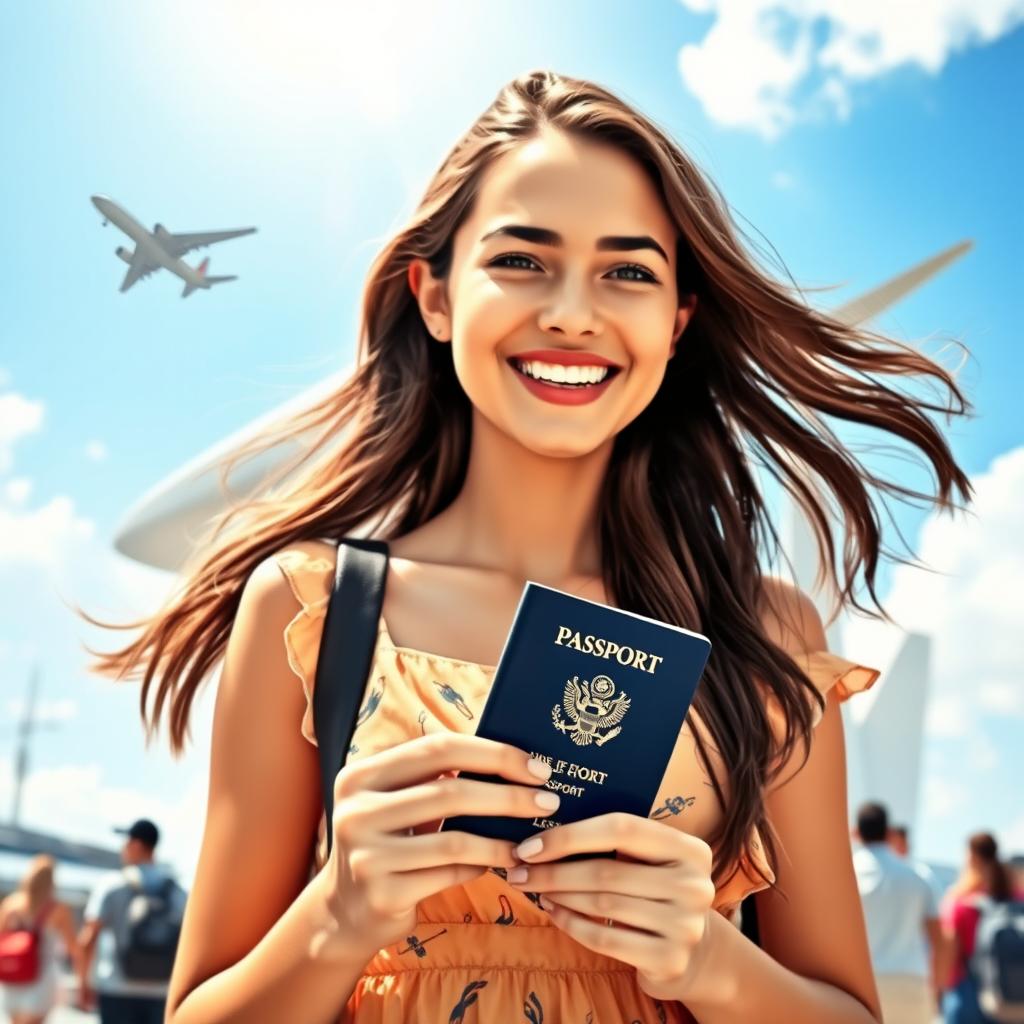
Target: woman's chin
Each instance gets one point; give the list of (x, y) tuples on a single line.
[(569, 446)]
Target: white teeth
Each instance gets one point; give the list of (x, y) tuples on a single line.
[(556, 374)]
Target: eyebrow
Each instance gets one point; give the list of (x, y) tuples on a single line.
[(608, 243)]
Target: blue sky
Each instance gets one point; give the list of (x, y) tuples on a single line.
[(852, 144)]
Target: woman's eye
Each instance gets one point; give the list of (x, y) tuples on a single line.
[(647, 276), (499, 260)]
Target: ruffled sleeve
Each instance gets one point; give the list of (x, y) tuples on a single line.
[(831, 671), (310, 578), (827, 671)]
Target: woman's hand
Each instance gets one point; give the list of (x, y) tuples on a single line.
[(658, 897), (387, 854)]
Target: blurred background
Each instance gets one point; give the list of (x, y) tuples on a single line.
[(854, 144)]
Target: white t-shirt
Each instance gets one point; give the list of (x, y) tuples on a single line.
[(106, 903), (897, 901)]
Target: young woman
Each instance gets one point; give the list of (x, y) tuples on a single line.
[(569, 368), (34, 903), (983, 875)]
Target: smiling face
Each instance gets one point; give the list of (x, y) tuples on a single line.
[(564, 272)]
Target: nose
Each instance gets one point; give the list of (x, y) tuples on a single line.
[(571, 311)]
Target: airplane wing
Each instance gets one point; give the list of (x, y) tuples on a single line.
[(140, 267), (178, 245)]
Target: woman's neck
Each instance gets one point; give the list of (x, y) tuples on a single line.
[(531, 516)]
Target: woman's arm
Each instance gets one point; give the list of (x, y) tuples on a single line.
[(6, 905), (64, 924), (947, 953), (814, 965), (244, 953)]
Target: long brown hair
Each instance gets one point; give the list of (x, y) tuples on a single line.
[(984, 870), (683, 522), (37, 883)]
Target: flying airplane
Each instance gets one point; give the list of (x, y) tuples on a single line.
[(162, 248)]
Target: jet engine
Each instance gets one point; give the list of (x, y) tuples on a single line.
[(124, 253)]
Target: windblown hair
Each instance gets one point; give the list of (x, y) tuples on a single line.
[(683, 523)]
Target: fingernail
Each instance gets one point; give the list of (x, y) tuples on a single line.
[(539, 768), (546, 799), (545, 902), (529, 847), (518, 875)]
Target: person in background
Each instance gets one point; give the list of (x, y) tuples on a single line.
[(125, 997), (1015, 864), (899, 840), (901, 914), (35, 903), (983, 875)]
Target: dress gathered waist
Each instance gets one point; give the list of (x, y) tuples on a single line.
[(443, 945)]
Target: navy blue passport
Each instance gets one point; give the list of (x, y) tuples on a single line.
[(600, 694)]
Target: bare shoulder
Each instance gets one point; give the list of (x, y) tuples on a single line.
[(267, 580), (789, 616), (11, 904)]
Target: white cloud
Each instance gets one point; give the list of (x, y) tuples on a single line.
[(62, 710), (765, 64), (944, 798), (783, 180), (42, 536), (972, 603), (1011, 839), (946, 716), (19, 417), (1002, 698), (96, 451), (17, 490)]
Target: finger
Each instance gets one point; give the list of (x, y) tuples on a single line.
[(406, 888), (626, 944), (426, 757), (599, 875), (440, 848), (445, 798), (650, 916), (653, 842)]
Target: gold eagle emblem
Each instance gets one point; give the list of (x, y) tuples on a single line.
[(591, 708)]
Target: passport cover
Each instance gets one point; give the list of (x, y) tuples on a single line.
[(600, 694)]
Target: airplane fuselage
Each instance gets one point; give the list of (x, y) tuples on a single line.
[(147, 241)]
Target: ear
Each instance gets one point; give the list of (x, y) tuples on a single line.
[(431, 294), (683, 316)]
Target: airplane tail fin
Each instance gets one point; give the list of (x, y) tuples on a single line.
[(206, 281)]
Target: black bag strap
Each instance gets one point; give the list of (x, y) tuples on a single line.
[(346, 650)]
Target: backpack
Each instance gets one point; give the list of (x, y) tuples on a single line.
[(998, 960), (146, 932), (19, 951)]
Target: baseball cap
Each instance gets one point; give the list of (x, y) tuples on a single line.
[(144, 830)]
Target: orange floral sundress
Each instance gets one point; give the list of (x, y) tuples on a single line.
[(485, 952)]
